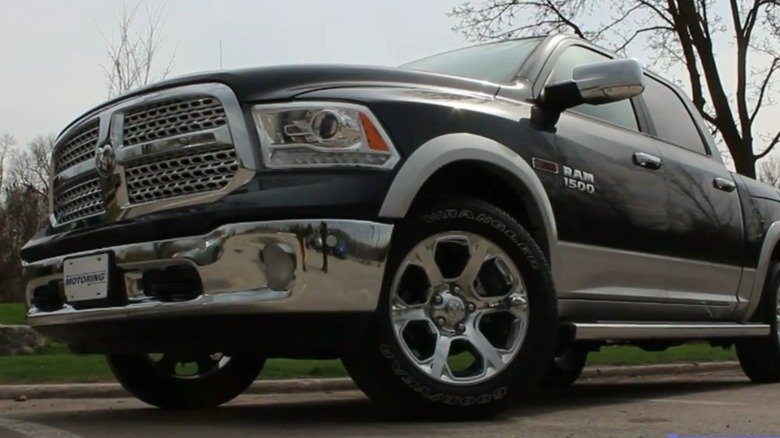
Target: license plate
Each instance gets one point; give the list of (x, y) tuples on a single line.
[(86, 278)]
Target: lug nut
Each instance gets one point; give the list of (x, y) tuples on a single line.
[(517, 301), (471, 306), (461, 327), (440, 321), (437, 299)]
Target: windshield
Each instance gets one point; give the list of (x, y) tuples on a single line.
[(493, 62)]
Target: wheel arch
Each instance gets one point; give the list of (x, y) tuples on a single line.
[(770, 251), (462, 150)]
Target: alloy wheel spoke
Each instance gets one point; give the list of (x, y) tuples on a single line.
[(206, 364), (425, 259), (402, 314), (485, 349), (438, 362), (479, 252), (168, 363)]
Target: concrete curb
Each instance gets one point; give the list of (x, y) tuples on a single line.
[(298, 386)]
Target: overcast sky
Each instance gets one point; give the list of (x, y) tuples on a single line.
[(51, 50)]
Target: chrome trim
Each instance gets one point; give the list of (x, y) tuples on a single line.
[(449, 148), (228, 262), (639, 311), (628, 331), (116, 201), (600, 273), (749, 304)]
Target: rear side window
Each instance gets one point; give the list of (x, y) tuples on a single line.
[(673, 121)]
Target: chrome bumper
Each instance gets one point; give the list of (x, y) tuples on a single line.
[(235, 277)]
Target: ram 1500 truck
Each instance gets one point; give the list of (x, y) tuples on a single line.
[(459, 231)]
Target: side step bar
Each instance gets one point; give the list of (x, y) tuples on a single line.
[(609, 331)]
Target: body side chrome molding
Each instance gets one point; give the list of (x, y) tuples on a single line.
[(748, 304), (609, 331), (600, 273), (451, 148)]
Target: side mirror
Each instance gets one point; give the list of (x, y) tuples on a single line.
[(596, 83)]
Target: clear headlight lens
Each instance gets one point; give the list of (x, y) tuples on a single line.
[(322, 134)]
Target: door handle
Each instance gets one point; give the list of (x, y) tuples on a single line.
[(724, 184), (647, 161)]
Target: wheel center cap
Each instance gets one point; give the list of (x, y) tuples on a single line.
[(452, 309)]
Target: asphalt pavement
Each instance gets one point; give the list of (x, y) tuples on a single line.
[(721, 403)]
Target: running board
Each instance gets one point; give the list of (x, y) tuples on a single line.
[(633, 331)]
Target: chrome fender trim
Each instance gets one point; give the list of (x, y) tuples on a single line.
[(446, 149), (748, 305)]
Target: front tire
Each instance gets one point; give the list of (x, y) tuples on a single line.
[(760, 357), (217, 379), (467, 319)]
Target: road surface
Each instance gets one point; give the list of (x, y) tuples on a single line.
[(711, 404)]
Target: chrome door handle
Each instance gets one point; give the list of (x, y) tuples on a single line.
[(724, 184), (647, 161)]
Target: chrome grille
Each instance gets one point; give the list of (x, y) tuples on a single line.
[(79, 201), (172, 117), (182, 172), (78, 148), (174, 143)]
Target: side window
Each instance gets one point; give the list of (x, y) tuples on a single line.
[(671, 118), (619, 113)]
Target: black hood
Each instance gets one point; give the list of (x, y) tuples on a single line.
[(287, 81)]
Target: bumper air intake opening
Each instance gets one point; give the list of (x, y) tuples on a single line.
[(48, 297), (172, 284)]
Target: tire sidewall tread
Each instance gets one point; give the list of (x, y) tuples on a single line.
[(386, 374)]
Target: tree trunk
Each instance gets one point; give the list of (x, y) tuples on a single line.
[(744, 161)]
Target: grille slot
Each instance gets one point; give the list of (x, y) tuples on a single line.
[(79, 201), (180, 173), (172, 117), (79, 148)]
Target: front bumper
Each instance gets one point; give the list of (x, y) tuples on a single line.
[(235, 274)]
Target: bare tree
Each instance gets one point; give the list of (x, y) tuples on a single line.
[(679, 33), (24, 186), (31, 167), (7, 143), (769, 171), (134, 54)]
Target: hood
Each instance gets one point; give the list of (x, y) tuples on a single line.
[(281, 82)]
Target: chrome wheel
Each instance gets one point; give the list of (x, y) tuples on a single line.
[(459, 308)]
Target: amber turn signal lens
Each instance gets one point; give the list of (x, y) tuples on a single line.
[(375, 141)]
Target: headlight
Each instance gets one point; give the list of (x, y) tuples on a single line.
[(322, 134)]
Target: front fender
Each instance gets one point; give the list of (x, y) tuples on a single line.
[(450, 148)]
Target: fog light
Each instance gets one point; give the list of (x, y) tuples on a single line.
[(279, 266)]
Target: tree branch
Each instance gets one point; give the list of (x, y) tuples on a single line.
[(565, 19), (774, 67), (771, 146), (742, 47)]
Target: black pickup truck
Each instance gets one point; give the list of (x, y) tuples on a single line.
[(459, 231)]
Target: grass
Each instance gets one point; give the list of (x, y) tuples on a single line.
[(12, 314), (55, 364)]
